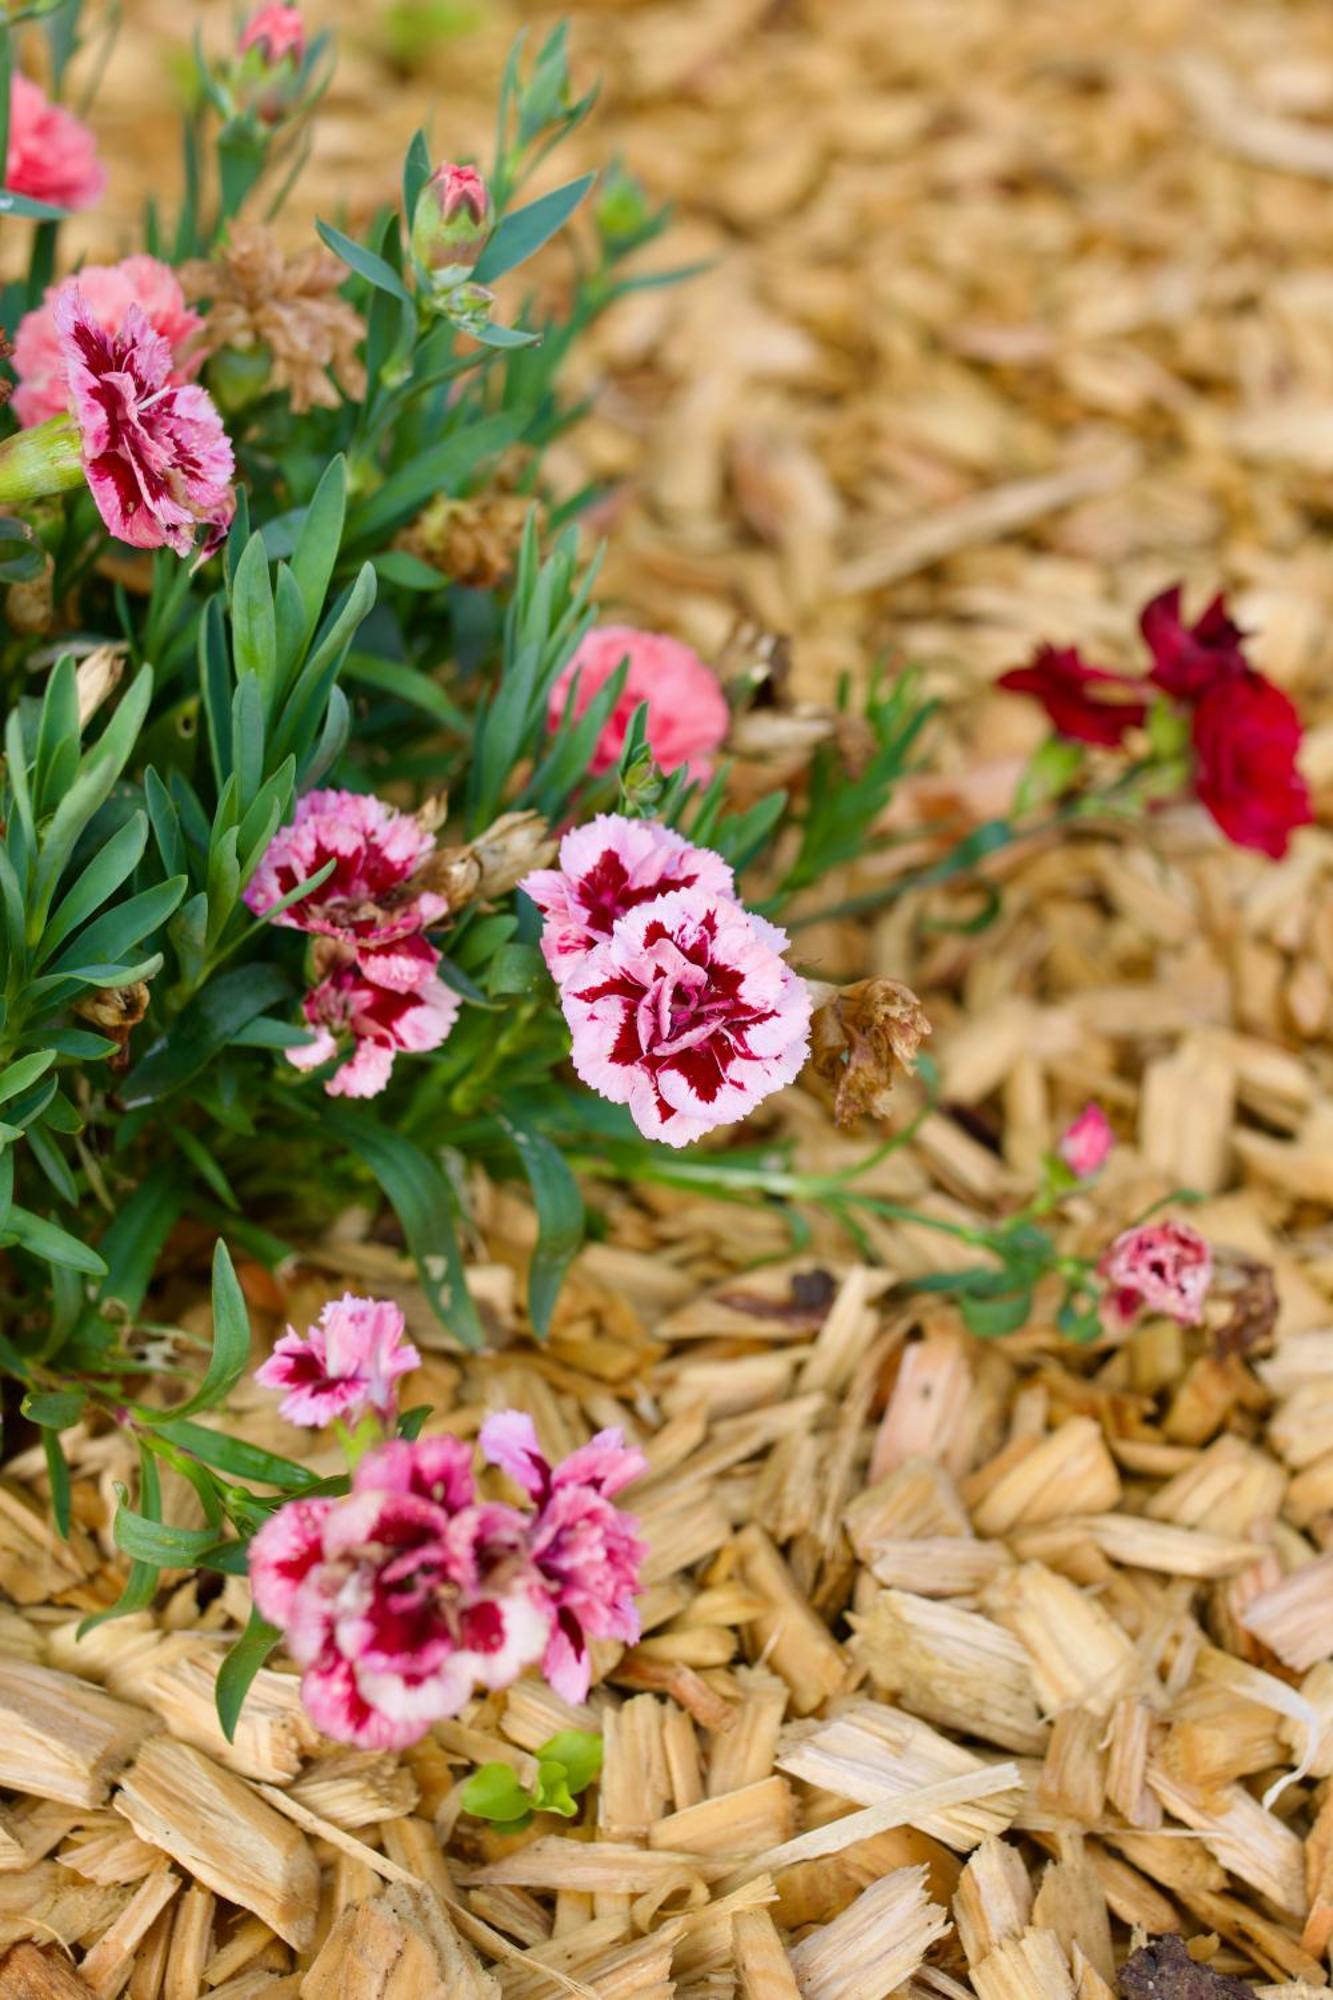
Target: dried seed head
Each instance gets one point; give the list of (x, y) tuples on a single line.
[(862, 1039)]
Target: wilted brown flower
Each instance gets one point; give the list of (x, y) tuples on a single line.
[(263, 302), (495, 862), (861, 1039), (474, 542), (115, 1011), (98, 675)]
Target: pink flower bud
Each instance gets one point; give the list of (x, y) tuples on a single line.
[(452, 220), (276, 31), (1087, 1143)]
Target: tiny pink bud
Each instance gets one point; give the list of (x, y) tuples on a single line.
[(452, 219), (1086, 1145), (276, 31)]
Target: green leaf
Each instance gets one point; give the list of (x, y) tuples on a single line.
[(493, 1792), (238, 1670), (989, 1318), (44, 1239), (202, 1030), (490, 334), (365, 263), (233, 1455), (517, 969), (141, 1583), (408, 572), (55, 1408), (17, 1077), (99, 880), (231, 1339), (111, 935), (254, 635), (134, 1238), (579, 1751), (560, 1218), (416, 172), (406, 684), (552, 1793), (57, 1472), (320, 538), (523, 232), (150, 1541), (425, 1205)]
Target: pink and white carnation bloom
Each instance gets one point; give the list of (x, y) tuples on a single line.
[(109, 290), (381, 1022), (608, 867), (584, 1548), (156, 457), (401, 1598), (1087, 1142), (344, 1365), (1165, 1266), (688, 1014), (369, 900), (52, 155), (688, 716)]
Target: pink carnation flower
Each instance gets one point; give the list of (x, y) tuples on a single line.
[(687, 710), (368, 900), (344, 1365), (276, 31), (401, 1598), (109, 290), (157, 459), (52, 155), (606, 868), (381, 1020), (584, 1549), (1165, 1266), (688, 1015), (1086, 1144)]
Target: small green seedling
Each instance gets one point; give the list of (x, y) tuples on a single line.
[(566, 1765)]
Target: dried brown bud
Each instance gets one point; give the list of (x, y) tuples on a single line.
[(115, 1011), (495, 862), (98, 676), (1251, 1290), (861, 1039), (474, 542)]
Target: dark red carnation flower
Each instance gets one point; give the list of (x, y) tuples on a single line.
[(1188, 660), (1071, 693), (1246, 736)]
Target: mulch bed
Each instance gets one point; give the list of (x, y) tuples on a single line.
[(963, 1662)]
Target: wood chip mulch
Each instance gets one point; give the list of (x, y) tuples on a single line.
[(966, 1667)]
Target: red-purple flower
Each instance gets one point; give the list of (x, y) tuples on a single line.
[(688, 1014), (1086, 1143), (347, 1363), (1247, 735), (1188, 660), (608, 867), (1077, 697), (403, 1597), (155, 455), (372, 1023), (109, 290), (370, 900), (584, 1549), (1165, 1266), (688, 715), (52, 156)]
